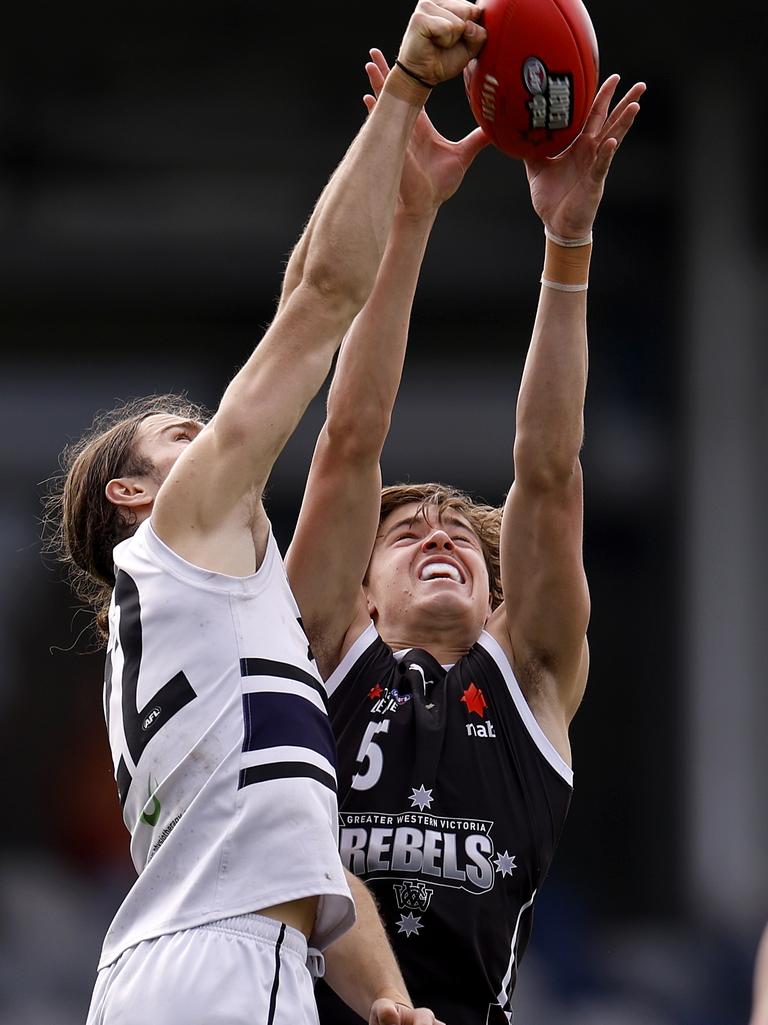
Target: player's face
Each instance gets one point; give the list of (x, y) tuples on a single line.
[(428, 563), (162, 438)]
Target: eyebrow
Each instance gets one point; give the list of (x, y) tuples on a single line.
[(182, 423), (401, 523), (445, 521)]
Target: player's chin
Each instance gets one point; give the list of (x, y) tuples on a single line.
[(445, 594)]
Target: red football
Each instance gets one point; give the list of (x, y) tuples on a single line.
[(532, 84)]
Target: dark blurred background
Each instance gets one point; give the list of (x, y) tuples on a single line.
[(157, 164)]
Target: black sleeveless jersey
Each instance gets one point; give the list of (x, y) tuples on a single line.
[(451, 804)]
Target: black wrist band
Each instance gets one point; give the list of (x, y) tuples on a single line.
[(412, 74)]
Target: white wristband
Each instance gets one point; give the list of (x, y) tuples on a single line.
[(560, 287), (569, 243)]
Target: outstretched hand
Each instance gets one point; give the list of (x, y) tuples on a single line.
[(441, 38), (434, 166), (566, 190), (387, 1012)]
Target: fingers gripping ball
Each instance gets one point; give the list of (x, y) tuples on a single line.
[(531, 86)]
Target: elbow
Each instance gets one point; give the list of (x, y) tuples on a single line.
[(357, 434), (547, 470), (338, 286)]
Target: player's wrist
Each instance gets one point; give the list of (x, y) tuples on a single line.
[(570, 241), (404, 86), (566, 268), (395, 995), (417, 216)]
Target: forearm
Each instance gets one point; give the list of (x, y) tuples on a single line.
[(550, 410), (345, 247), (357, 161), (328, 283), (368, 372), (361, 967)]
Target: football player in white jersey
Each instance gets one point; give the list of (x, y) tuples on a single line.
[(223, 754), (419, 571)]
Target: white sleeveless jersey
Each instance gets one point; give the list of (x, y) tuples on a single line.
[(224, 755)]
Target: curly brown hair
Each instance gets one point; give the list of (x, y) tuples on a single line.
[(80, 525), (484, 519)]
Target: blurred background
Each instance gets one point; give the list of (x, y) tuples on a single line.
[(157, 164)]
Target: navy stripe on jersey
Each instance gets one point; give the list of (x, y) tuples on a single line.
[(284, 770), (273, 719), (281, 670)]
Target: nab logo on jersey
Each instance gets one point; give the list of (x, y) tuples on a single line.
[(482, 729), (474, 699), (476, 704)]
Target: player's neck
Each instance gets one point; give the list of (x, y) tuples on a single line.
[(444, 649)]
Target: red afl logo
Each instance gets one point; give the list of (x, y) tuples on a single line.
[(535, 76)]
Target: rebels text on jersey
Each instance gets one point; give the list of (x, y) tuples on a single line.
[(452, 801)]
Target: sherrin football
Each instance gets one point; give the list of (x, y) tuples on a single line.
[(532, 84)]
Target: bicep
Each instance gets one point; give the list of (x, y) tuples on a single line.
[(332, 544), (546, 597)]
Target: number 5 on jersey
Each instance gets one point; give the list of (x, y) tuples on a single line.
[(370, 749)]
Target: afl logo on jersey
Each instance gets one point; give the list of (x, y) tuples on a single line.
[(151, 717)]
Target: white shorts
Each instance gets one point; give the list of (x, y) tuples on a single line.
[(247, 970)]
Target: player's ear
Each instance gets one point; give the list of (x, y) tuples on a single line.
[(369, 603), (491, 609), (129, 492)]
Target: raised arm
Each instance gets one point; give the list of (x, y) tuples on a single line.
[(342, 498), (216, 484), (544, 618)]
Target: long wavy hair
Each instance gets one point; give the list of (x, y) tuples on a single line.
[(80, 525)]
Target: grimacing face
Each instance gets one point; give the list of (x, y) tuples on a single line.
[(427, 563)]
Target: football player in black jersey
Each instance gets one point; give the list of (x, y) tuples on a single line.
[(452, 637)]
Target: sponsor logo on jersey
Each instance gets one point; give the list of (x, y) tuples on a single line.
[(386, 700), (474, 699), (482, 729), (476, 704), (414, 667), (163, 837), (151, 812)]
